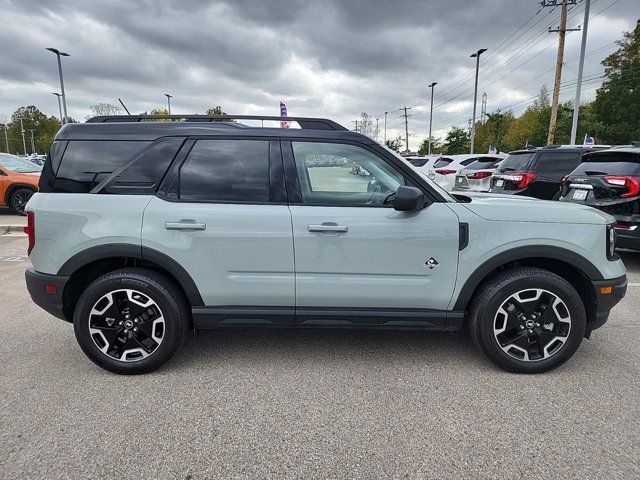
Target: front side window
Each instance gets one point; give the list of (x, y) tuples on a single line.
[(226, 171), (343, 175)]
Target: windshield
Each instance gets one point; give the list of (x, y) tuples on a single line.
[(484, 163), (16, 164), (516, 162), (431, 183)]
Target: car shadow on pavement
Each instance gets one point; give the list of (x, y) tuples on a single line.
[(374, 347)]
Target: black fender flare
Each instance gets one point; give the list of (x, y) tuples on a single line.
[(139, 252), (577, 261)]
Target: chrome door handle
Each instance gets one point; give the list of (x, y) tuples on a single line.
[(328, 227), (185, 225)]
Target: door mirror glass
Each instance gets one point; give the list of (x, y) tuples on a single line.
[(407, 199)]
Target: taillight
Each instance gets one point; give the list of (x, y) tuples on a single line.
[(478, 175), (30, 230), (632, 184), (445, 171), (524, 179)]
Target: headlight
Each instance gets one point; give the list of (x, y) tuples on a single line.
[(611, 242)]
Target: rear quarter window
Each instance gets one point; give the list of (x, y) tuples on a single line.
[(87, 163)]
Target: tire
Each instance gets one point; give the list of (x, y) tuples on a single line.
[(19, 198), (527, 320), (110, 324)]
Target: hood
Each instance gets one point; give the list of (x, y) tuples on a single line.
[(511, 208)]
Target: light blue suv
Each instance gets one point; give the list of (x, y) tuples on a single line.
[(144, 230)]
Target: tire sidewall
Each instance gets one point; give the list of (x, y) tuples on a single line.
[(558, 287), (173, 327)]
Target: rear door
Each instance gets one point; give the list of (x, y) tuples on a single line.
[(356, 256), (224, 218)]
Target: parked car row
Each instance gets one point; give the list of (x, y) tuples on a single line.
[(603, 177)]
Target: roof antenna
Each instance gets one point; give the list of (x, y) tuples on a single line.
[(125, 108)]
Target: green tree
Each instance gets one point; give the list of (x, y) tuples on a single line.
[(217, 110), (617, 103), (44, 130), (436, 146), (493, 132), (395, 144), (457, 141)]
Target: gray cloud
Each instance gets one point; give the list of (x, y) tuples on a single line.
[(332, 58)]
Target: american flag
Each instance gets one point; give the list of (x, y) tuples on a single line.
[(492, 150), (589, 141), (283, 113)]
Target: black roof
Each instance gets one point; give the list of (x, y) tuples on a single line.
[(138, 127), (564, 148)]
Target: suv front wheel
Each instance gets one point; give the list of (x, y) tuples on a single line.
[(527, 320), (131, 321)]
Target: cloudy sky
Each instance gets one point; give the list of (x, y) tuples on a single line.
[(333, 58)]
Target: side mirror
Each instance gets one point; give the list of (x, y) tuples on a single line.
[(408, 199)]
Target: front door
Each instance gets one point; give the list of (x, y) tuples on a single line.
[(357, 259), (225, 220)]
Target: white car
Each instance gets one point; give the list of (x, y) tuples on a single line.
[(444, 170)]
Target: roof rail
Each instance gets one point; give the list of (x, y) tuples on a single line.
[(305, 123)]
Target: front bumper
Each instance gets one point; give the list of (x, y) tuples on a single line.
[(41, 286), (617, 288)]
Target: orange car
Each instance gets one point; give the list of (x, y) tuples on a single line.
[(18, 181)]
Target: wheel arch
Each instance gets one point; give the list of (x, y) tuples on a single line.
[(569, 265), (87, 265), (13, 187)]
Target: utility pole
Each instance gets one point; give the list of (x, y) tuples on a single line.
[(356, 127), (377, 128), (24, 143), (562, 31), (385, 127), (475, 95), (33, 143), (432, 87), (406, 127), (576, 102)]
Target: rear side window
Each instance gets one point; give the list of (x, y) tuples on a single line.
[(87, 163), (442, 162), (610, 163), (557, 163), (516, 162), (143, 174), (226, 171)]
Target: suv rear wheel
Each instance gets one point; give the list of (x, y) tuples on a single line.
[(131, 321), (527, 320)]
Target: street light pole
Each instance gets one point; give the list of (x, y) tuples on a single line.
[(431, 113), (64, 97), (24, 143), (59, 105), (385, 127), (475, 95), (6, 137), (33, 143), (168, 102), (576, 102)]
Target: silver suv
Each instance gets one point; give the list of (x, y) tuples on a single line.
[(144, 230)]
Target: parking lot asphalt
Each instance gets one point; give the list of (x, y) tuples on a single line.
[(312, 404)]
